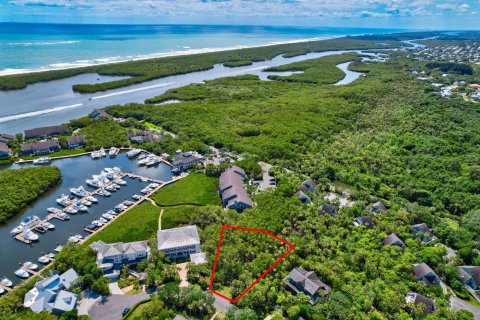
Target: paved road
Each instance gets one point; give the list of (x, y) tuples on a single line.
[(459, 304), (112, 308), (265, 183)]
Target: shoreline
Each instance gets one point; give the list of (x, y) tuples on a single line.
[(110, 60)]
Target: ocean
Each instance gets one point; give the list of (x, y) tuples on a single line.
[(26, 47)]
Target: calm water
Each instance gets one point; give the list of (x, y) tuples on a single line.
[(54, 102), (74, 173), (25, 46)]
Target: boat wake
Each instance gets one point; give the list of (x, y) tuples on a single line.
[(132, 90), (36, 113)]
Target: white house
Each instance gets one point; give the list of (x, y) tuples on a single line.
[(178, 242)]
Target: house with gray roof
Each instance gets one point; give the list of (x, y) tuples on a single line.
[(142, 136), (393, 240), (40, 148), (422, 232), (424, 273), (365, 221), (303, 197), (6, 137), (378, 207), (185, 160), (328, 208), (307, 282), (44, 132), (232, 189), (4, 150), (308, 186), (417, 300), (470, 276), (198, 258), (76, 141), (178, 242), (51, 295), (99, 114), (111, 257)]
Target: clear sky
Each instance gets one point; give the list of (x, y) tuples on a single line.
[(405, 14)]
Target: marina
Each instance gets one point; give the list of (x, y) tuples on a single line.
[(57, 229)]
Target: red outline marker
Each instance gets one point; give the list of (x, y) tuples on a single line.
[(210, 287)]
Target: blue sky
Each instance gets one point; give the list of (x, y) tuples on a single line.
[(408, 14)]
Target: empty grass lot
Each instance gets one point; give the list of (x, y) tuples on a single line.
[(196, 189)]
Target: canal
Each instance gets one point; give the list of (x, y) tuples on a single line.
[(74, 172)]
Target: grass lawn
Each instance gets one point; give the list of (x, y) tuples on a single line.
[(139, 223), (60, 153), (195, 189), (137, 312), (176, 216)]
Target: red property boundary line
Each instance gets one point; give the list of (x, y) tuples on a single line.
[(210, 287)]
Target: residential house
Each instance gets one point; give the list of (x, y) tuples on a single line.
[(424, 273), (4, 150), (141, 136), (232, 189), (415, 299), (198, 258), (308, 186), (6, 138), (40, 148), (470, 276), (378, 207), (366, 221), (307, 282), (328, 208), (185, 160), (303, 197), (422, 232), (178, 242), (111, 257), (76, 142), (99, 114), (44, 132), (393, 240), (51, 295)]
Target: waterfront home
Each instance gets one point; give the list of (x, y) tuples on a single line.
[(423, 233), (141, 136), (178, 242), (44, 132), (51, 295), (378, 207), (76, 142), (40, 148), (4, 150), (417, 300), (111, 257), (99, 114), (470, 276), (328, 208), (185, 160), (424, 273), (308, 186), (307, 282), (365, 221), (303, 197), (232, 189), (6, 137), (393, 240)]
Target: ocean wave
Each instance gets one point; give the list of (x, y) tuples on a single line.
[(28, 44)]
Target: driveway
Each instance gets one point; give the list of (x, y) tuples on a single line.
[(114, 288), (459, 304), (113, 306), (182, 272), (265, 183)]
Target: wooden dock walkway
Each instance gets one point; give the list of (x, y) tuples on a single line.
[(8, 289)]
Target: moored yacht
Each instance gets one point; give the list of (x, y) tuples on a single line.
[(44, 259), (95, 155), (64, 200), (92, 199), (22, 273), (94, 183), (27, 222), (108, 216), (102, 152), (64, 216), (153, 162), (6, 282), (111, 188), (80, 191), (30, 265), (113, 152), (44, 160), (53, 210), (133, 153), (80, 207), (30, 235), (121, 182), (71, 210), (136, 197), (104, 193), (49, 226)]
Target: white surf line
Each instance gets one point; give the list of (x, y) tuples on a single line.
[(132, 90), (36, 113)]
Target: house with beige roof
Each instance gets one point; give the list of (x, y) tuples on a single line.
[(179, 242)]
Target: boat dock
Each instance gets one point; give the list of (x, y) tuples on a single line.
[(8, 289)]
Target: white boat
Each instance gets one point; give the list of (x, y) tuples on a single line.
[(73, 239), (94, 183), (119, 208), (142, 156), (116, 186), (95, 155), (30, 265), (92, 199), (71, 210), (121, 182), (64, 216), (108, 216), (113, 152), (133, 153), (104, 193), (53, 210), (102, 220), (102, 152), (44, 160), (153, 185), (153, 162), (30, 235), (144, 161), (80, 207), (80, 191), (51, 255), (97, 223), (64, 200), (49, 225), (85, 202), (22, 273), (111, 188), (128, 203), (2, 291), (6, 282), (27, 222), (44, 259), (146, 190), (136, 197)]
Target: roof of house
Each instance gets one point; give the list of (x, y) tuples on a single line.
[(5, 136), (308, 184), (65, 301), (422, 269), (416, 299), (232, 187), (303, 197), (76, 139), (46, 131), (68, 278), (177, 237), (392, 239), (308, 280), (420, 227), (365, 221), (379, 206), (4, 147), (470, 272), (328, 208), (47, 144), (98, 114), (186, 157), (114, 249)]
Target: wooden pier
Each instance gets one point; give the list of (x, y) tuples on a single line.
[(8, 289)]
